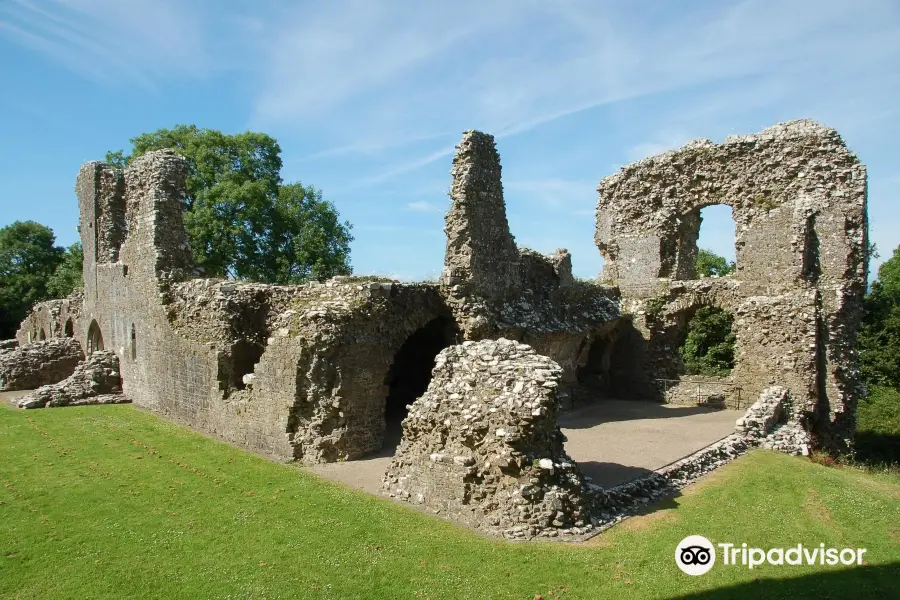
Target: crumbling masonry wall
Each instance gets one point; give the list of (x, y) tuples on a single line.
[(495, 289), (482, 446), (798, 197), (40, 363)]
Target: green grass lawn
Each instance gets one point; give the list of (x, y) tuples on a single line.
[(113, 502)]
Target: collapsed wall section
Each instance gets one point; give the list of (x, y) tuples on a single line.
[(40, 363), (94, 381)]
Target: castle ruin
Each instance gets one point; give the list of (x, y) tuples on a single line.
[(319, 372)]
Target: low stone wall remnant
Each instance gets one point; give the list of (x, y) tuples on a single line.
[(39, 363), (95, 381)]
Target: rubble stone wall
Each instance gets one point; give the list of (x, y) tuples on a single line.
[(482, 446), (96, 380), (40, 363)]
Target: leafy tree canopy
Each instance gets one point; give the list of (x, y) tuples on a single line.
[(67, 277), (879, 337), (710, 264), (242, 222), (29, 257)]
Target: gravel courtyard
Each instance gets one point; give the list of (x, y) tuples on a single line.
[(612, 440)]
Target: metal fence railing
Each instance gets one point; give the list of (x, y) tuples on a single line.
[(732, 389)]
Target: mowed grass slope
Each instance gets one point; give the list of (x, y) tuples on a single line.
[(113, 502)]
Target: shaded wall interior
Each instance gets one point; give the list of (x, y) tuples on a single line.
[(410, 373)]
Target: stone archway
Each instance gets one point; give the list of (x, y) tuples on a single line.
[(70, 328), (410, 372), (42, 335), (94, 338)]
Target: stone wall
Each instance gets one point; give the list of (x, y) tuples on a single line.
[(39, 363), (94, 381), (482, 446), (798, 197)]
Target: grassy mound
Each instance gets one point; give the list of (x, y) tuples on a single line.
[(112, 502)]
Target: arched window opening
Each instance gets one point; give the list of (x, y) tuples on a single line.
[(42, 335), (70, 328), (95, 338)]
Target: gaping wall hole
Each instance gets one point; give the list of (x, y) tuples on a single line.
[(133, 343), (42, 335), (244, 356), (594, 376), (410, 373), (715, 242), (94, 338), (707, 348), (70, 328)]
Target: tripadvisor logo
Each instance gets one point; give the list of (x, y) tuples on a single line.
[(695, 555)]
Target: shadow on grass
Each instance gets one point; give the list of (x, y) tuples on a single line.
[(871, 582)]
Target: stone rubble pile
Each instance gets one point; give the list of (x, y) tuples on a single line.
[(481, 446), (95, 381), (40, 363)]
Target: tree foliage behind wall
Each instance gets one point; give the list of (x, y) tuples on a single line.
[(879, 337), (29, 257), (242, 221), (708, 347)]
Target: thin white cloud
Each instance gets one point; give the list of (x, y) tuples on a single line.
[(423, 206), (377, 71), (554, 193), (115, 42)]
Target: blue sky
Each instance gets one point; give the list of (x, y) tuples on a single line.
[(368, 99)]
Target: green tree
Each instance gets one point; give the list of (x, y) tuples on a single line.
[(29, 257), (708, 347), (879, 337), (710, 264), (241, 221), (67, 277)]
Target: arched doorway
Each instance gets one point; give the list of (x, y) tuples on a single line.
[(94, 338), (410, 373), (42, 335), (70, 328)]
